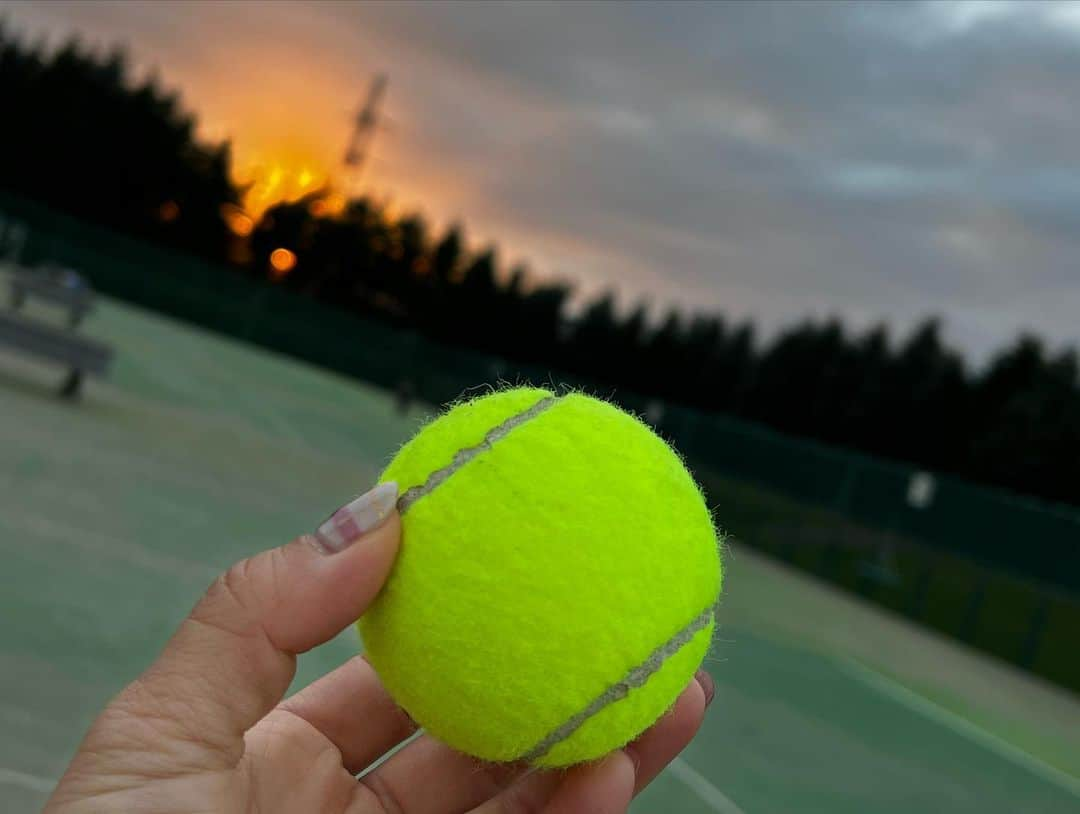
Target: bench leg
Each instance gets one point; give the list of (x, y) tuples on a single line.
[(72, 385)]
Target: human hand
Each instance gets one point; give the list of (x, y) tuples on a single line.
[(205, 728)]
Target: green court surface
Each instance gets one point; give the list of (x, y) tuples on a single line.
[(116, 512)]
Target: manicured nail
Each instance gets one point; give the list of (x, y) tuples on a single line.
[(356, 518), (707, 685)]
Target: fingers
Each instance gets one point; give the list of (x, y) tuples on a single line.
[(351, 708), (428, 777), (455, 782), (661, 743), (233, 658), (606, 787), (602, 786)]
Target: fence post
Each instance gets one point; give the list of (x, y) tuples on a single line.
[(847, 487), (917, 606), (1030, 649), (970, 626)]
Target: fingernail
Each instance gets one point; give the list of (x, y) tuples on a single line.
[(707, 685), (356, 518)]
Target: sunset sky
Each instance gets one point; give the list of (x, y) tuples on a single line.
[(875, 161)]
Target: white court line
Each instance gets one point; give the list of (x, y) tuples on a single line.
[(961, 726), (697, 782), (11, 777), (700, 785), (419, 733)]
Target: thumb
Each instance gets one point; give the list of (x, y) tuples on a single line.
[(232, 659)]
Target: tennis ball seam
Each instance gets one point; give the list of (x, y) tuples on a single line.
[(634, 678), (466, 454)]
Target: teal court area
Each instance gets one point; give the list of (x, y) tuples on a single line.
[(116, 512)]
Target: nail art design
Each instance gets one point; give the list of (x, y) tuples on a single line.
[(356, 518)]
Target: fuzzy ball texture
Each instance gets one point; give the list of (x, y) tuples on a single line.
[(556, 581)]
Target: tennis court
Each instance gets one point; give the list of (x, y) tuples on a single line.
[(116, 512)]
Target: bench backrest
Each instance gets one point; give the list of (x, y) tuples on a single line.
[(49, 342), (55, 287)]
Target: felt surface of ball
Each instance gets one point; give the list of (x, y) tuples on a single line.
[(555, 588)]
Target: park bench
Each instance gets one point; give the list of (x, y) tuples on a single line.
[(43, 340), (55, 285)]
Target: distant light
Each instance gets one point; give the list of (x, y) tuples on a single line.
[(282, 261), (239, 222), (328, 206), (305, 177), (241, 225), (921, 489), (169, 211), (336, 203)]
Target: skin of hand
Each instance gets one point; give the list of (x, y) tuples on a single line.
[(205, 728)]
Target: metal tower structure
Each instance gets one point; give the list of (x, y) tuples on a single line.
[(364, 125)]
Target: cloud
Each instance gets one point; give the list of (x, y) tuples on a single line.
[(880, 161)]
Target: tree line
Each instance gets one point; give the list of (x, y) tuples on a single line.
[(80, 135)]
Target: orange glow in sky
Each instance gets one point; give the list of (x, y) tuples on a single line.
[(288, 114), (279, 179), (612, 151)]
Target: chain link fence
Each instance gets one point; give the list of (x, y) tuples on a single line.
[(998, 571)]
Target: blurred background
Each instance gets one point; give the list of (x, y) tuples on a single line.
[(827, 249)]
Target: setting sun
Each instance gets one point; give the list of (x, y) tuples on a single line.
[(270, 183)]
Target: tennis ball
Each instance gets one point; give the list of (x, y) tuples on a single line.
[(555, 586)]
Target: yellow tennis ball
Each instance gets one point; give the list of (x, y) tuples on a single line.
[(555, 588)]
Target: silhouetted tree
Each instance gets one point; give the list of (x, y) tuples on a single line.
[(81, 136)]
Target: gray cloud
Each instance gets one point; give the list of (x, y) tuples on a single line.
[(873, 160)]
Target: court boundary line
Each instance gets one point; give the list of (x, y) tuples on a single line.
[(933, 711), (703, 787), (12, 777)]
